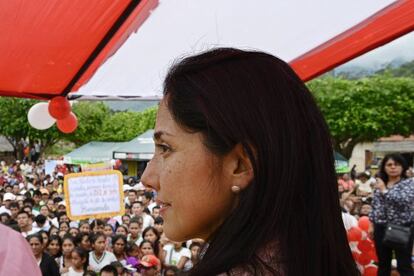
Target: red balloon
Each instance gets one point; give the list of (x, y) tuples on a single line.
[(370, 271), (59, 108), (68, 124), (365, 246), (364, 223), (364, 259), (354, 234), (355, 255)]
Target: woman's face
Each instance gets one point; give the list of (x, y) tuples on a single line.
[(77, 261), (85, 228), (45, 239), (44, 211), (67, 247), (121, 231), (119, 246), (64, 227), (147, 249), (73, 231), (50, 204), (182, 172), (53, 248), (99, 245), (150, 236), (392, 168), (85, 243), (36, 245)]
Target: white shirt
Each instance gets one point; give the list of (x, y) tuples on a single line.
[(72, 272), (349, 221), (25, 234), (106, 258), (147, 220), (172, 257), (3, 209)]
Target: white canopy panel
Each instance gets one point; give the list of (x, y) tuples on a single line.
[(177, 28)]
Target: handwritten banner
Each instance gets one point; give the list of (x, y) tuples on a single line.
[(94, 194)]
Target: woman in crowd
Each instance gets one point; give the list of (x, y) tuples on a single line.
[(82, 240), (151, 234), (176, 255), (84, 227), (244, 160), (119, 244), (99, 257), (393, 204), (121, 230), (54, 248), (46, 263), (79, 263), (146, 248), (195, 248), (65, 261)]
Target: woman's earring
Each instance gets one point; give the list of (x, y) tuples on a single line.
[(235, 189)]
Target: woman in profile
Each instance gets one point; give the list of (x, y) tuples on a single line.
[(244, 161)]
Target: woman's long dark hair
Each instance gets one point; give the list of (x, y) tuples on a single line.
[(291, 207), (156, 244), (397, 158)]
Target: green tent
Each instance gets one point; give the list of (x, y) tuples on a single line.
[(93, 152), (341, 163)]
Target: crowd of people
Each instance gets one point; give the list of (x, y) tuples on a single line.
[(33, 204), (134, 243), (386, 198)]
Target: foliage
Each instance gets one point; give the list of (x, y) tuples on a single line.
[(124, 126), (91, 117), (366, 109), (405, 70), (14, 125)]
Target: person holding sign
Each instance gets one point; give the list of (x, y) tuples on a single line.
[(244, 160)]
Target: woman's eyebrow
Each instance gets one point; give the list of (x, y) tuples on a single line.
[(157, 135)]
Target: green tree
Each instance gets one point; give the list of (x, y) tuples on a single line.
[(366, 109), (124, 126), (15, 126), (91, 117)]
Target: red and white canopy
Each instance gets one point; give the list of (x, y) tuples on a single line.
[(124, 47)]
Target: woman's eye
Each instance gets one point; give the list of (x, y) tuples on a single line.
[(163, 148)]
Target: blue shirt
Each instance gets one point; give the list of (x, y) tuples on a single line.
[(395, 206)]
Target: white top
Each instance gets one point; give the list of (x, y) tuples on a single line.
[(349, 221), (106, 258), (147, 220), (172, 257), (72, 272), (25, 234)]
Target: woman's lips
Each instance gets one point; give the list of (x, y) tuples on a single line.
[(163, 206)]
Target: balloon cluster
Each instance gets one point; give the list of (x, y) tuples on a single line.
[(44, 115), (363, 249)]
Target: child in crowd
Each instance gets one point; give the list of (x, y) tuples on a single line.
[(99, 257)]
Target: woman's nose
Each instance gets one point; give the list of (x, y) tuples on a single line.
[(150, 177)]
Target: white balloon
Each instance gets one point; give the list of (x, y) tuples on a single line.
[(39, 116)]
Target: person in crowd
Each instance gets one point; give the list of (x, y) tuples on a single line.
[(46, 263), (99, 257), (54, 247), (146, 247), (151, 234), (79, 262), (393, 204), (121, 230), (135, 226), (150, 265), (220, 161), (24, 222), (65, 261), (195, 248), (137, 209), (82, 240), (119, 244), (108, 270), (363, 185), (346, 182), (176, 255), (84, 227)]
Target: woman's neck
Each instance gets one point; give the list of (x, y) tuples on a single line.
[(78, 269), (393, 179), (39, 256), (98, 254)]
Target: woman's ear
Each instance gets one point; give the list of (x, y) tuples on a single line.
[(238, 167)]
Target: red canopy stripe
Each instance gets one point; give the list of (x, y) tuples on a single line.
[(386, 25)]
